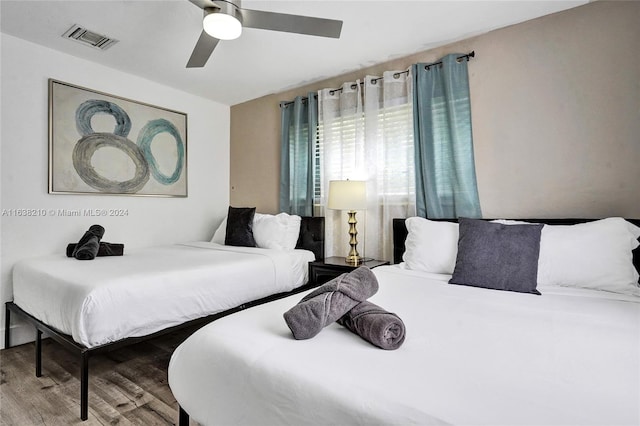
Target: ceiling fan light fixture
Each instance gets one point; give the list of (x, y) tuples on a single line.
[(222, 26), (223, 20)]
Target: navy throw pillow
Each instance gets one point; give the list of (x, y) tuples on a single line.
[(240, 227)]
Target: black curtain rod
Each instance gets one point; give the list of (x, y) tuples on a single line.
[(304, 99), (459, 59), (469, 55), (396, 75)]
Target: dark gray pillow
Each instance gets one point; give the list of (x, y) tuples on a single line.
[(240, 227), (497, 256)]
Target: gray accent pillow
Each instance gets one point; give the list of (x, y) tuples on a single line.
[(240, 227), (497, 256)]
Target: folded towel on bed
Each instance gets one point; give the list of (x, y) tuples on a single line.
[(104, 249), (375, 325), (329, 302), (87, 247)]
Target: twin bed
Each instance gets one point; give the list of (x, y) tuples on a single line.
[(471, 356), (95, 306)]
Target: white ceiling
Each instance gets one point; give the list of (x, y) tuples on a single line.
[(157, 37)]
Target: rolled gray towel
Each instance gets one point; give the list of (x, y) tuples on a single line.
[(104, 249), (87, 247), (375, 325), (329, 302)]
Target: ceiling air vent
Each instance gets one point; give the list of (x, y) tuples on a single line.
[(89, 38)]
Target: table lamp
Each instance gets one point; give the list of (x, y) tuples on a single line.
[(350, 195)]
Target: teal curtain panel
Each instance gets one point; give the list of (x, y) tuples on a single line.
[(446, 184), (299, 121)]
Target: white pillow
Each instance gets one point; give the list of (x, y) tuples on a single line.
[(278, 232), (431, 246), (635, 231), (220, 235), (594, 255)]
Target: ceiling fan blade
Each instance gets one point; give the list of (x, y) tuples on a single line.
[(203, 3), (202, 51), (291, 23)]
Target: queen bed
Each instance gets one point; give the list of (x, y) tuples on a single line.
[(570, 356), (109, 302)]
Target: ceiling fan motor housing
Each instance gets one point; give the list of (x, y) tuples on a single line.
[(226, 7)]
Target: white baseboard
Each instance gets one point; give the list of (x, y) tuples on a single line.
[(20, 334)]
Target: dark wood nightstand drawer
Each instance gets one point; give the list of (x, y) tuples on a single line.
[(325, 270)]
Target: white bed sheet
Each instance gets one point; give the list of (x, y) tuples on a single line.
[(471, 357), (147, 290)]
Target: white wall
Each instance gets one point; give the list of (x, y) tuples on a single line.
[(26, 68)]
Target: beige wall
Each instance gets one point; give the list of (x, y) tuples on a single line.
[(556, 117)]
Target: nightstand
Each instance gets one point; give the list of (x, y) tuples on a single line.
[(321, 271)]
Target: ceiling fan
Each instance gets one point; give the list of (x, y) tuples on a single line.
[(224, 19)]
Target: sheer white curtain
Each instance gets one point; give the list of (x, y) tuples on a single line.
[(341, 154), (366, 133)]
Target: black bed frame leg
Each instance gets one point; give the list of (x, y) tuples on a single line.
[(38, 353), (7, 326), (84, 386), (183, 418)]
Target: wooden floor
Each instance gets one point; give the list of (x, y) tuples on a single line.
[(126, 387)]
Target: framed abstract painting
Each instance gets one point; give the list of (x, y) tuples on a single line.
[(105, 144)]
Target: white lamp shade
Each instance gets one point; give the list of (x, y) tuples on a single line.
[(347, 195), (222, 26)]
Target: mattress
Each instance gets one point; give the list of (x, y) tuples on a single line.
[(144, 291), (471, 356)]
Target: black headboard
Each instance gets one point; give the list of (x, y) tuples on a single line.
[(400, 234), (312, 235)]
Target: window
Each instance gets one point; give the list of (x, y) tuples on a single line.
[(365, 132), (393, 154)]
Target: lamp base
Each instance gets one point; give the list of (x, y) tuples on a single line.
[(353, 260)]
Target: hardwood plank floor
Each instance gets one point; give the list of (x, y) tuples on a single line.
[(127, 386)]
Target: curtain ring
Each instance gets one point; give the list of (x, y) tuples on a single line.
[(354, 86)]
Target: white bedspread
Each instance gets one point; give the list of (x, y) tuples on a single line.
[(471, 357), (111, 298)]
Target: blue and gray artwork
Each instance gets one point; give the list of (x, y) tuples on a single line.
[(140, 152)]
